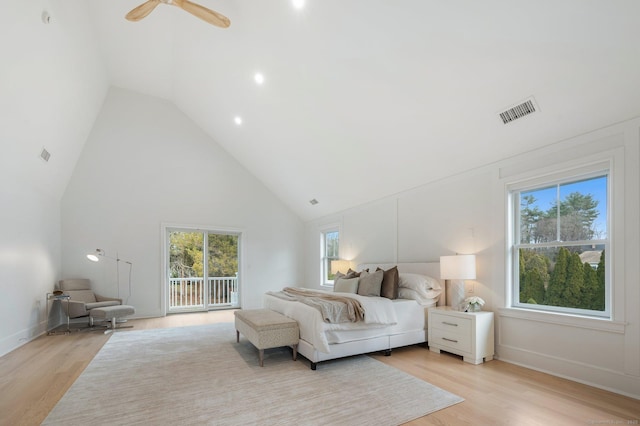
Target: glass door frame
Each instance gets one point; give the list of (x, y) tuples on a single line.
[(166, 229)]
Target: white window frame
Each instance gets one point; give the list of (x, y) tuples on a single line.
[(574, 174), (167, 227), (324, 265)]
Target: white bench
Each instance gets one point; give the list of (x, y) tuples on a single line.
[(267, 329)]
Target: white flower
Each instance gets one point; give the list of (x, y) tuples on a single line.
[(474, 300)]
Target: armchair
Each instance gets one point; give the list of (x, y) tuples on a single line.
[(82, 298)]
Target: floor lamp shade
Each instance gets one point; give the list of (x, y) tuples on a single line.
[(456, 269)]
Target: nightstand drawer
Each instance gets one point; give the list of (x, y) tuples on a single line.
[(452, 324), (450, 340)]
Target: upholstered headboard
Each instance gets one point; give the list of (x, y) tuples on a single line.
[(431, 269)]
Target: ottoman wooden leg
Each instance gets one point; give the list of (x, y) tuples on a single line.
[(237, 336), (261, 357), (295, 352)]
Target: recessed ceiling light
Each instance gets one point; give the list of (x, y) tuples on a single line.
[(259, 78), (298, 4), (238, 120)]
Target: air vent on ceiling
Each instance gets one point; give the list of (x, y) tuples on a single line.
[(518, 111), (313, 202), (45, 155)]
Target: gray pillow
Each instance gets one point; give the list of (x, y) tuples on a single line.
[(390, 280), (346, 285), (370, 283)]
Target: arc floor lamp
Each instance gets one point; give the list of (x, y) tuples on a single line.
[(95, 257)]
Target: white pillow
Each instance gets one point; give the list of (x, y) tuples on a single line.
[(419, 283), (407, 293)]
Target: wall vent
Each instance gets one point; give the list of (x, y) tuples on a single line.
[(45, 155), (518, 111)]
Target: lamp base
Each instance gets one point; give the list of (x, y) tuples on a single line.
[(455, 293)]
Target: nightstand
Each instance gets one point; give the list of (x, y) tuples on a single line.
[(468, 334)]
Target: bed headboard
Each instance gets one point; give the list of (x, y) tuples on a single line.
[(431, 269)]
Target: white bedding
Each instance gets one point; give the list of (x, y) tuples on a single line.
[(410, 314), (379, 313)]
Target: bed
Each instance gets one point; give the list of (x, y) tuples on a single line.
[(322, 341)]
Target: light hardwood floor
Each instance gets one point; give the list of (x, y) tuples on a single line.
[(35, 376)]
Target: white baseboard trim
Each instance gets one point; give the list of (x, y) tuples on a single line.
[(602, 378), (22, 337)]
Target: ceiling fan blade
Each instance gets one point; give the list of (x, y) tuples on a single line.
[(143, 10), (203, 13)]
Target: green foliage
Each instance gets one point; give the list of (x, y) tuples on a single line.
[(534, 275), (574, 282), (589, 298), (533, 286), (571, 283), (186, 256), (560, 278), (599, 302), (529, 218), (223, 255), (576, 213), (557, 279), (522, 270)]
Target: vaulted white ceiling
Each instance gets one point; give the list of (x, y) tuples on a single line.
[(367, 98)]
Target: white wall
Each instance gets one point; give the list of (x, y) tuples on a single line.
[(416, 226), (146, 164), (52, 84), (467, 214), (29, 261)]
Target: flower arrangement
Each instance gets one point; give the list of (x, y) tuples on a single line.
[(475, 303)]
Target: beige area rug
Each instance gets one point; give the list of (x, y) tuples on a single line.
[(200, 375)]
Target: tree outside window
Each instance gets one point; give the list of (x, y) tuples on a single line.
[(561, 250)]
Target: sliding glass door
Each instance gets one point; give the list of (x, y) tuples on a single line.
[(202, 271)]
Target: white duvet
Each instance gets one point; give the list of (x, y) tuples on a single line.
[(379, 312)]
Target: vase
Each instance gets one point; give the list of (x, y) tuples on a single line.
[(475, 307)]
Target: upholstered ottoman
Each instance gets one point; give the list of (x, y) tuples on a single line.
[(111, 313), (267, 329)]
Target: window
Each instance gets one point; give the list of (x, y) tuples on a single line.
[(330, 239), (560, 245)]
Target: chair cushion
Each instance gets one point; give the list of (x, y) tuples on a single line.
[(85, 296), (75, 284)]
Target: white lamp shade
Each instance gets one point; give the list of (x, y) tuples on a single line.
[(460, 267), (340, 266)]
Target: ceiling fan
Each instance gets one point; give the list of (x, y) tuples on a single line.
[(201, 12)]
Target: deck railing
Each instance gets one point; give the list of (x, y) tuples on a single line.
[(189, 293)]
